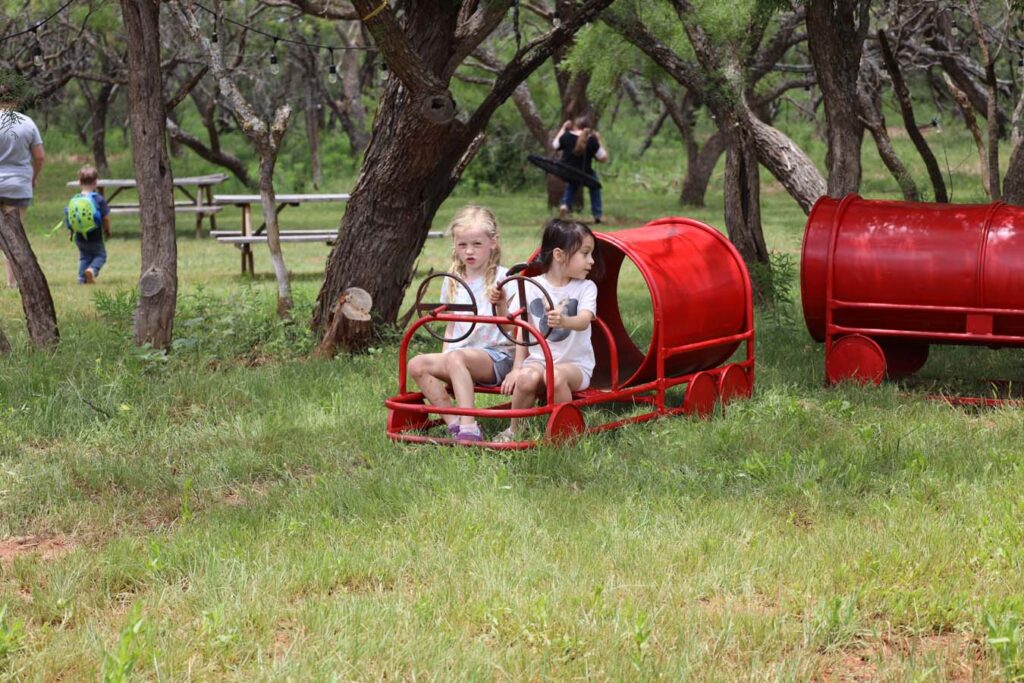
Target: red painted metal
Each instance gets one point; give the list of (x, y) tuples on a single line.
[(905, 275), (702, 312)]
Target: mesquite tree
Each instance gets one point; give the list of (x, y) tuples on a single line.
[(266, 139), (158, 283), (420, 143)]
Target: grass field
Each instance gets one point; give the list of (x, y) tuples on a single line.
[(233, 511)]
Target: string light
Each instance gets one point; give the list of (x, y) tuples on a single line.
[(556, 19), (274, 67), (37, 24), (332, 70), (37, 51)]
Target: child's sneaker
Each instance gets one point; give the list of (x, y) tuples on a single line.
[(453, 429), (563, 212), (90, 277), (470, 434), (507, 436)]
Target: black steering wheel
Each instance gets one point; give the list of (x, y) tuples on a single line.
[(521, 281), (424, 308)]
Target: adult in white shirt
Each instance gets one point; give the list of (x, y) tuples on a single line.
[(21, 160)]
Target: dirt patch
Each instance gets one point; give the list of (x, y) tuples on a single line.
[(46, 547), (959, 657)]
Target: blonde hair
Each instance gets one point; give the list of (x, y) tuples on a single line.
[(473, 216)]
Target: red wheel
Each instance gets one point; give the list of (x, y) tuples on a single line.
[(701, 394), (733, 383), (565, 423), (855, 357), (405, 420), (903, 358)]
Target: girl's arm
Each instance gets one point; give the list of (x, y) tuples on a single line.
[(578, 322), (558, 135)]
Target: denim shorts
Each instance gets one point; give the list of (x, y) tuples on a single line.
[(502, 362)]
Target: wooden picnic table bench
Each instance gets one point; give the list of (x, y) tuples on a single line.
[(200, 203), (246, 237)]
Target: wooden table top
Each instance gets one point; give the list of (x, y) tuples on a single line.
[(241, 199)]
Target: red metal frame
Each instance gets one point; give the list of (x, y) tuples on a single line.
[(977, 320), (409, 414)]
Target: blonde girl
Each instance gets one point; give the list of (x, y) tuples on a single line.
[(485, 356)]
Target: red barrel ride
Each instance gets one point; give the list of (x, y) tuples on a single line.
[(702, 312), (883, 280)]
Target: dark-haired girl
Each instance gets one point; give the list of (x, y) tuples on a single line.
[(567, 259), (580, 146)]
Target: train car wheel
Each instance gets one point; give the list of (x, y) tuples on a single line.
[(855, 357), (405, 420), (733, 383), (903, 358), (565, 423), (701, 394)]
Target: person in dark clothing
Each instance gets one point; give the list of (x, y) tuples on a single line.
[(580, 146)]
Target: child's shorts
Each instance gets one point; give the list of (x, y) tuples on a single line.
[(502, 362)]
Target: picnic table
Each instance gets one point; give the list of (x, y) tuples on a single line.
[(246, 236), (200, 201)]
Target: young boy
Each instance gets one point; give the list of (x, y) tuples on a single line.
[(92, 254)]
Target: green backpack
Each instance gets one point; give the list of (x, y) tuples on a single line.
[(81, 216)]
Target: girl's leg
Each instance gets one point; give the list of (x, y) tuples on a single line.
[(430, 373), (466, 367), (530, 379), (568, 378)]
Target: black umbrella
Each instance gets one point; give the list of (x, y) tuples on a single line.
[(564, 171)]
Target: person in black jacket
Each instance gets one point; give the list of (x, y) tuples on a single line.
[(580, 146)]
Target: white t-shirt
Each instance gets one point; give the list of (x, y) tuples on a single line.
[(16, 143), (567, 346), (484, 335)]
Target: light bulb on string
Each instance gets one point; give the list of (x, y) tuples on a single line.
[(556, 19), (213, 38), (332, 70), (954, 31), (274, 67), (37, 51)]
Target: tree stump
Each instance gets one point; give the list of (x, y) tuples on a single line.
[(350, 324)]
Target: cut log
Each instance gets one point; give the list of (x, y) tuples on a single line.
[(350, 324)]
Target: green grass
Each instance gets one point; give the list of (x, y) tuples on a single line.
[(234, 511)]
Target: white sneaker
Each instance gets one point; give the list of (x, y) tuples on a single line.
[(90, 277), (507, 436)]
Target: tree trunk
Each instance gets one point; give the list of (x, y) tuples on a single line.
[(870, 107), (312, 96), (158, 284), (1013, 183), (835, 43), (743, 196), (907, 109), (5, 346), (98, 122), (36, 302), (531, 117), (962, 101), (788, 163), (350, 324), (699, 170), (405, 159), (268, 159)]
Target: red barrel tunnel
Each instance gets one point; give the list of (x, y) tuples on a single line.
[(699, 289), (944, 269)]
